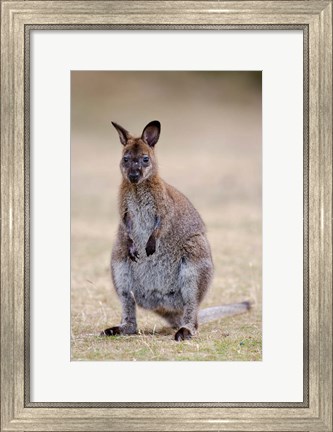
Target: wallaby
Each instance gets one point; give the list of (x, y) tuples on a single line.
[(161, 259)]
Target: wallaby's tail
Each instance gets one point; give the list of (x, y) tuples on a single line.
[(217, 312)]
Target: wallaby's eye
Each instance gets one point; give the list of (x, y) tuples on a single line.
[(125, 159), (145, 159)]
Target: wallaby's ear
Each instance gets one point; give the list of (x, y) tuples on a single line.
[(123, 134), (151, 133)]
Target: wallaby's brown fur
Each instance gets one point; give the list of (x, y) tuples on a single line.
[(161, 259)]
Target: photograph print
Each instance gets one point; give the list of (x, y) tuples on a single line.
[(166, 215)]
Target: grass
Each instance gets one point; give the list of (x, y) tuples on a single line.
[(212, 343), (222, 179)]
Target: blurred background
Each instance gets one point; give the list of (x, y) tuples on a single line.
[(209, 149)]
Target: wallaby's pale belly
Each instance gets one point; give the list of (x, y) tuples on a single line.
[(156, 284), (156, 277)]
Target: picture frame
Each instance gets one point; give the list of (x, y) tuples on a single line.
[(18, 19)]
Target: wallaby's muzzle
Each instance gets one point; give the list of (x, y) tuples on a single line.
[(134, 176)]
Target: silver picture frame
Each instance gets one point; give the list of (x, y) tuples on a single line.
[(18, 20)]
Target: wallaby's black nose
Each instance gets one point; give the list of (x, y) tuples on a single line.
[(133, 177)]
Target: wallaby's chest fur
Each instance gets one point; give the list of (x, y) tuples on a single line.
[(141, 208)]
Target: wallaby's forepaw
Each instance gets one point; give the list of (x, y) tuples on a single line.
[(134, 256), (132, 252), (151, 245), (118, 330), (182, 334)]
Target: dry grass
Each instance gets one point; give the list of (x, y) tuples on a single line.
[(213, 155)]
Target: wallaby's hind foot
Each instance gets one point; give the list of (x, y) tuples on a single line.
[(111, 331), (119, 330), (183, 334)]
